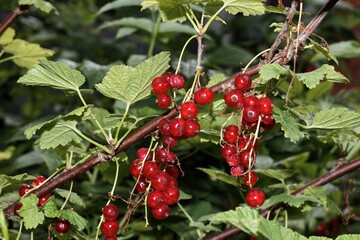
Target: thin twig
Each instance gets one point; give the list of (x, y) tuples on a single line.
[(12, 17)]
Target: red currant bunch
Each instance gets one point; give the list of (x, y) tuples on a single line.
[(110, 226)]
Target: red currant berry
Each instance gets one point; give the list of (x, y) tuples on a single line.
[(237, 171), (189, 110), (155, 198), (253, 238), (110, 238), (320, 230), (246, 142), (167, 76), (334, 221), (192, 128), (265, 105), (176, 81), (177, 127), (231, 134), (135, 168), (245, 158), (164, 101), (62, 226), (251, 114), (161, 212), (169, 141), (171, 157), (150, 168), (172, 171), (255, 198), (269, 126), (228, 150), (110, 212), (141, 154), (233, 160), (243, 81), (234, 98), (161, 155), (164, 126), (203, 96), (251, 101), (160, 180), (109, 227), (43, 199), (24, 189), (142, 184), (17, 207), (249, 125), (173, 181), (159, 86), (171, 195), (267, 119), (39, 180), (250, 179), (335, 230)]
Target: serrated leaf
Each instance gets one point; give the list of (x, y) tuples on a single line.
[(30, 213), (74, 218), (274, 70), (324, 73), (209, 135), (277, 173), (335, 118), (118, 4), (344, 49), (9, 180), (50, 208), (40, 4), (246, 7), (222, 176), (55, 75), (61, 134), (348, 237), (7, 36), (74, 197), (319, 193), (288, 125), (26, 54), (215, 79), (294, 201), (206, 228), (129, 84), (323, 50)]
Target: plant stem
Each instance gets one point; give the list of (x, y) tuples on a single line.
[(191, 21), (120, 125), (68, 196), (212, 18), (154, 34), (92, 141), (182, 52), (4, 228), (20, 230), (7, 59), (258, 55), (286, 218), (189, 217)]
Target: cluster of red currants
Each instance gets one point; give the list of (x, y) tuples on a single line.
[(160, 175), (110, 226), (240, 147), (328, 230)]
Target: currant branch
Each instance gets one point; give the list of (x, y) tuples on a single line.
[(12, 17)]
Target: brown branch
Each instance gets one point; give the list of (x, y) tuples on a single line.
[(330, 176), (12, 17)]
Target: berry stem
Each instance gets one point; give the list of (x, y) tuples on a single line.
[(182, 53), (286, 218), (154, 34), (212, 19), (20, 230), (78, 132), (189, 217), (254, 58), (117, 143), (190, 19), (68, 196)]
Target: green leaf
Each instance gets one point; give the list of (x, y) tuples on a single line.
[(222, 176), (74, 197), (215, 79), (118, 4), (345, 49), (74, 218), (30, 213), (6, 181), (50, 208), (40, 4), (130, 84), (246, 7), (274, 70), (61, 134), (124, 31), (206, 228), (294, 201), (348, 237), (335, 118), (26, 54), (7, 36), (323, 50), (55, 75), (322, 198), (277, 173), (138, 23), (288, 125), (7, 153), (324, 73)]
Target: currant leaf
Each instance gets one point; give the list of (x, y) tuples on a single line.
[(215, 79), (277, 173), (74, 218), (74, 197), (273, 71), (246, 7), (118, 4), (344, 49), (40, 4), (323, 50), (7, 36), (50, 208), (222, 176), (30, 213), (6, 181)]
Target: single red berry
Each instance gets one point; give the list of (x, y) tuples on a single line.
[(237, 171), (192, 128), (250, 179), (159, 86), (161, 155), (243, 81), (172, 171), (169, 141), (110, 212), (231, 134), (255, 197), (109, 227), (249, 125), (161, 212), (24, 189), (176, 81), (171, 157), (160, 180), (171, 195), (251, 101), (167, 76), (265, 105), (234, 98), (189, 110), (135, 168), (334, 221), (267, 119), (246, 142), (173, 181), (269, 126), (203, 96), (142, 184), (164, 101), (233, 160), (17, 207), (320, 230), (177, 127), (251, 114), (62, 226), (245, 158), (155, 198), (228, 150), (110, 238), (164, 126), (141, 154), (252, 238), (39, 180), (150, 168), (43, 199)]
